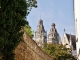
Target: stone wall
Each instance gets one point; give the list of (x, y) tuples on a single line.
[(28, 50)]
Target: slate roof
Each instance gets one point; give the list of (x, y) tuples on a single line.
[(73, 40)]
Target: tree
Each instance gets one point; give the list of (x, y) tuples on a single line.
[(58, 52), (12, 20), (30, 4), (29, 30)]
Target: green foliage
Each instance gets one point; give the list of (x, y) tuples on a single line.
[(12, 19), (29, 30), (58, 52), (30, 4)]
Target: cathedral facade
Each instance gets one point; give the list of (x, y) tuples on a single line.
[(42, 37)]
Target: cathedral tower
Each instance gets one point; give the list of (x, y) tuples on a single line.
[(53, 36), (40, 34)]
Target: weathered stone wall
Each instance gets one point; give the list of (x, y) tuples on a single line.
[(28, 50)]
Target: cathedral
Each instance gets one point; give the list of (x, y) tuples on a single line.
[(42, 37)]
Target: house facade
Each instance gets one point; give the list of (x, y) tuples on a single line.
[(77, 25)]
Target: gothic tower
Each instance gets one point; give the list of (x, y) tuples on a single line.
[(40, 34), (53, 36)]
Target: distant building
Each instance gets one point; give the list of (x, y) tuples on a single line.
[(40, 34), (77, 25), (70, 42), (53, 36)]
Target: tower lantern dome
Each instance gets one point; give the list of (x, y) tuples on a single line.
[(53, 25), (40, 21)]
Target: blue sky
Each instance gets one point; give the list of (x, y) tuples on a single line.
[(58, 11)]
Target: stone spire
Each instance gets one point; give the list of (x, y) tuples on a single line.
[(41, 34), (53, 36), (53, 25), (40, 26), (53, 29)]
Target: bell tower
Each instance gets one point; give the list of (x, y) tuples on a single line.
[(40, 34), (53, 36)]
